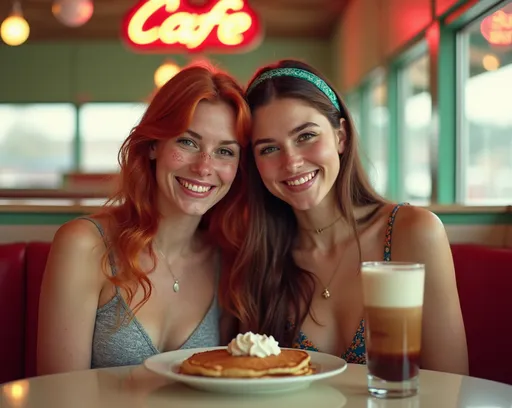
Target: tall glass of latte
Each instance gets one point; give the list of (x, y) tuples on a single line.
[(393, 305)]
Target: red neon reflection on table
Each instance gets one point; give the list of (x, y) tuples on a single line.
[(176, 26)]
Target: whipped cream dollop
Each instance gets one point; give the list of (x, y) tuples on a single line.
[(254, 345)]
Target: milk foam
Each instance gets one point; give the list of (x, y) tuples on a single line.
[(385, 286)]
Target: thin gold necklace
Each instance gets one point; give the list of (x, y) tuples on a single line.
[(176, 285), (320, 230), (326, 294)]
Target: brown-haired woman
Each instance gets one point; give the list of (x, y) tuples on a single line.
[(313, 217), (140, 277)]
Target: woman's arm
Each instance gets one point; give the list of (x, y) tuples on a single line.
[(70, 290), (419, 236)]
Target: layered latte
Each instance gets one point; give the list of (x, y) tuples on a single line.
[(393, 299)]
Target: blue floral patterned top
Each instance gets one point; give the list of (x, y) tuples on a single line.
[(356, 353)]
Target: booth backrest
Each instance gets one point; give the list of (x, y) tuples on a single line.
[(12, 311), (484, 281), (36, 257)]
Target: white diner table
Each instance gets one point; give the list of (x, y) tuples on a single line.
[(136, 387)]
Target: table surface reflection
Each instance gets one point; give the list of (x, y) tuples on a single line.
[(136, 387)]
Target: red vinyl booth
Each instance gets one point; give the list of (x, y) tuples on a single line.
[(484, 280), (21, 272)]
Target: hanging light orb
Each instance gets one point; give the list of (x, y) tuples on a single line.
[(490, 62), (73, 13), (165, 72), (14, 30)]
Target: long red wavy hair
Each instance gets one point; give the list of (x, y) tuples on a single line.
[(132, 211)]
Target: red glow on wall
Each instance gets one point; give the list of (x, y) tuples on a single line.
[(497, 28), (433, 34), (177, 26)]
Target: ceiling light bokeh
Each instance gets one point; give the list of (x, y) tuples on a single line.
[(15, 29), (490, 62), (165, 72), (73, 13)]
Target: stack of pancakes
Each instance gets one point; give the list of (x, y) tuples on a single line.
[(219, 363)]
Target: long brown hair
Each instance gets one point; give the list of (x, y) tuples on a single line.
[(265, 289), (132, 211)]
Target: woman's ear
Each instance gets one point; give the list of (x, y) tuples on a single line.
[(341, 136), (152, 151)]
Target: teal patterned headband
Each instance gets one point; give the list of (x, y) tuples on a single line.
[(298, 73)]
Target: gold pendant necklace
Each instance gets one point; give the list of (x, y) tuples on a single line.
[(176, 285), (326, 294), (320, 230)]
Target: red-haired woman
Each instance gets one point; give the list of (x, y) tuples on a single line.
[(140, 277)]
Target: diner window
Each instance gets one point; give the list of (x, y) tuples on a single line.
[(36, 144), (103, 129), (485, 110), (377, 137), (415, 131)]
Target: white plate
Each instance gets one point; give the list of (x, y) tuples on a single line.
[(167, 364)]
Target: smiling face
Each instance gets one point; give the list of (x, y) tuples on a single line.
[(296, 151), (195, 170)]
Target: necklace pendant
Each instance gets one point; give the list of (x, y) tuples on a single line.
[(319, 230), (326, 294), (176, 286)]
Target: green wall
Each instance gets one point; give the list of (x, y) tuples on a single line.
[(107, 71), (464, 218)]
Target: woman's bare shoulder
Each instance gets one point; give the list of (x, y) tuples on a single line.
[(79, 239), (78, 233), (418, 222), (418, 234)]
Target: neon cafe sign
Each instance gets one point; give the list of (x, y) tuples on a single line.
[(497, 28), (177, 26)]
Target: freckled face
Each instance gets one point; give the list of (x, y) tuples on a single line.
[(296, 151), (194, 171), (176, 156)]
